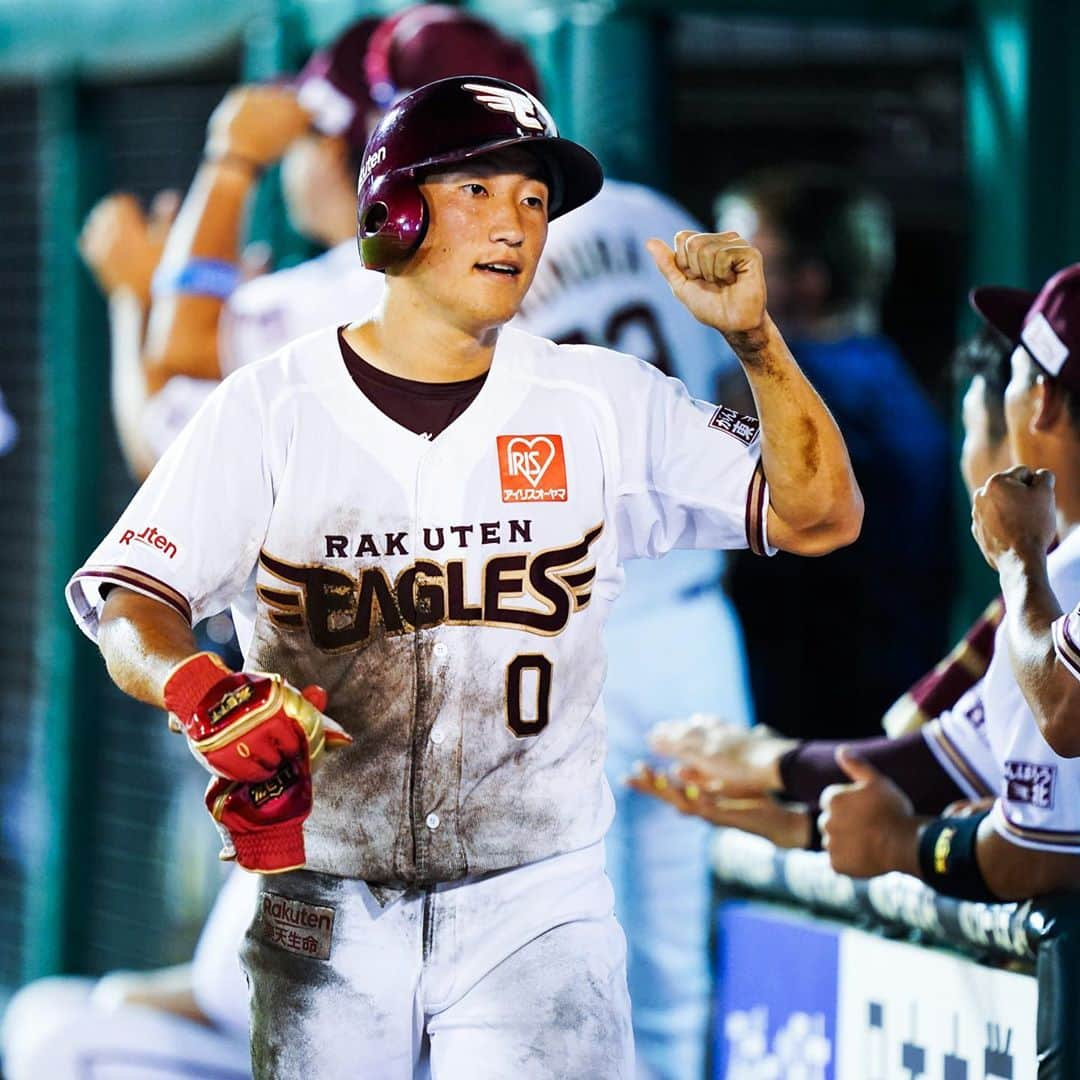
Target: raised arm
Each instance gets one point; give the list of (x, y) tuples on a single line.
[(251, 128), (121, 248), (814, 502), (1014, 523)]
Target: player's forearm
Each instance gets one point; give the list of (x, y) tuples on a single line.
[(1051, 691), (182, 336), (142, 640), (1012, 872), (810, 767), (129, 397), (812, 488)]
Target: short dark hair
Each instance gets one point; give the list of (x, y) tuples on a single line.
[(828, 216), (986, 352)]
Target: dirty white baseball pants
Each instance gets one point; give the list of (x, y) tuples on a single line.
[(520, 973)]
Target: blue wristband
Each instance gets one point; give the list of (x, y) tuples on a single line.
[(198, 277)]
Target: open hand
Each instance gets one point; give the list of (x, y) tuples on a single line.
[(735, 759), (690, 793)]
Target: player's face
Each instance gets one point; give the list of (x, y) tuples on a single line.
[(1022, 397), (488, 224), (981, 455)]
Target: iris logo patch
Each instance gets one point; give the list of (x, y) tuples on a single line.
[(1031, 783), (532, 468)]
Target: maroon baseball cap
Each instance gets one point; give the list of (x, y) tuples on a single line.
[(1046, 323), (376, 62)]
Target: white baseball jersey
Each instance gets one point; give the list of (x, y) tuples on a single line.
[(597, 283), (448, 594), (260, 317), (1066, 632), (991, 744)]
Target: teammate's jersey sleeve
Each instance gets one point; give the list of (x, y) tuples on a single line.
[(191, 535), (1066, 631), (958, 739), (690, 473), (169, 410)]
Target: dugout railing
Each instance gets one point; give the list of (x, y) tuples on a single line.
[(813, 963)]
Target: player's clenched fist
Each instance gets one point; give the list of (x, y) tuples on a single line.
[(868, 827), (1015, 511), (246, 727), (718, 277), (256, 124), (121, 246)]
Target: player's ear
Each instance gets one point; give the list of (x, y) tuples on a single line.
[(1050, 407)]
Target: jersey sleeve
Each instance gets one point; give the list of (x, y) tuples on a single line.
[(1039, 804), (1066, 632), (690, 473), (191, 535), (169, 410), (957, 739)]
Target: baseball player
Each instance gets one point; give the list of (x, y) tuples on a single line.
[(425, 516), (659, 867), (1025, 843), (1014, 516)]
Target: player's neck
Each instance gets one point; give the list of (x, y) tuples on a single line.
[(413, 340)]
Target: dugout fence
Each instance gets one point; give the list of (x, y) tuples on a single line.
[(822, 977)]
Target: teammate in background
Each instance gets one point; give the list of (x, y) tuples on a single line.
[(595, 284), (659, 866), (763, 782), (865, 622), (990, 743), (1014, 517), (473, 778)]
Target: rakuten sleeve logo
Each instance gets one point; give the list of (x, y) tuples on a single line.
[(150, 538), (532, 468)]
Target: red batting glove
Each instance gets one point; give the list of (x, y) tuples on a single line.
[(262, 825), (245, 726)]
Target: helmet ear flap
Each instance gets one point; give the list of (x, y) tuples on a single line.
[(391, 220)]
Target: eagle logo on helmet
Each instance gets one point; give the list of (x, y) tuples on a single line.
[(503, 99)]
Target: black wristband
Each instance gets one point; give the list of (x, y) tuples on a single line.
[(947, 858)]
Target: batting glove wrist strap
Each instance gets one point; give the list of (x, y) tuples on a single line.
[(262, 825), (245, 726), (272, 849), (947, 858), (190, 681)]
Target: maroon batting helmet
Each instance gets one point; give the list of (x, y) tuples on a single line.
[(450, 121)]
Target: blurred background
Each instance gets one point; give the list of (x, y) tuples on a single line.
[(964, 116)]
